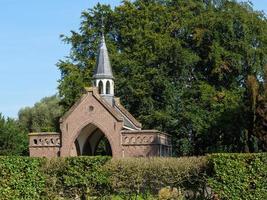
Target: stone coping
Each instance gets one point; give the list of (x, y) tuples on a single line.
[(148, 144), (45, 146), (43, 133), (145, 131)]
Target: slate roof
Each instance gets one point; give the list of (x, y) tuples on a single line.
[(103, 68)]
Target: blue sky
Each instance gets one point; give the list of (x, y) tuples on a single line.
[(30, 47)]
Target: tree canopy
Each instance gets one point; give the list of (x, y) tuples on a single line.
[(13, 138), (181, 66), (43, 116)]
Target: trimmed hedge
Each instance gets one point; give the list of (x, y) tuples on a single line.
[(230, 176), (20, 178), (135, 176), (74, 177), (238, 176), (102, 177), (41, 178), (69, 178)]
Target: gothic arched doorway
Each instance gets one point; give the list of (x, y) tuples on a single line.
[(92, 142)]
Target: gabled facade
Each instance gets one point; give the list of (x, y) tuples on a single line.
[(97, 115)]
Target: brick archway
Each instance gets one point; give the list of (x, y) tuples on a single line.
[(87, 139)]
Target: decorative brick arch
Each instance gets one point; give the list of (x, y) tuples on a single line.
[(91, 109), (106, 133)]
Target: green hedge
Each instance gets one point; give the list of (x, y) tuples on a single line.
[(41, 178), (103, 177), (142, 176), (238, 176), (20, 178), (230, 176), (68, 178), (75, 177)]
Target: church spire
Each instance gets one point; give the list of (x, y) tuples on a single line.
[(103, 67), (103, 76)]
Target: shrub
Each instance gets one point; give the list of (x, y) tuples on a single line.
[(238, 176)]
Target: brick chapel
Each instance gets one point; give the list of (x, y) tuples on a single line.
[(99, 116)]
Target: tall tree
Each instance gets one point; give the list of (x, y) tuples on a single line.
[(180, 65)]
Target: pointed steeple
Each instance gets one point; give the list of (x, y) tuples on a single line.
[(103, 67), (103, 76)]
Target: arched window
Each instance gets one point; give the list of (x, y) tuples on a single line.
[(108, 87), (100, 87)]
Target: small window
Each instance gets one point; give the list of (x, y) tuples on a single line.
[(100, 87), (108, 87)]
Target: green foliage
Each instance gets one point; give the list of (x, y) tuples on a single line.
[(72, 177), (257, 91), (43, 116), (180, 67), (214, 115), (238, 176), (230, 176), (13, 138), (20, 178), (142, 176), (260, 123), (69, 178)]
